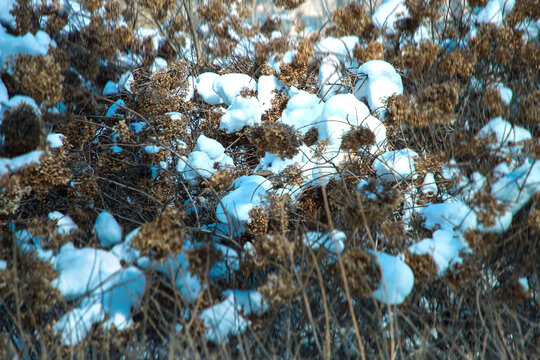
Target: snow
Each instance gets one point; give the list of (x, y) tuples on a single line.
[(524, 285), (449, 216), (17, 100), (4, 96), (515, 189), (107, 229), (444, 248), (3, 265), (421, 34), (191, 88), (159, 64), (395, 165), (27, 44), (137, 127), (388, 13), (329, 76), (324, 168), (97, 277), (248, 301), (343, 111), (302, 111), (429, 187), (154, 34), (341, 47), (55, 140), (200, 164), (222, 269), (152, 149), (211, 147), (116, 106), (124, 251), (242, 112), (75, 325), (380, 80), (175, 268), (495, 11), (126, 79), (530, 29), (332, 242), (201, 161), (110, 88), (267, 86), (223, 320), (229, 86), (505, 132), (5, 16), (14, 164), (397, 279), (65, 224), (235, 206), (505, 93), (83, 271), (205, 90)]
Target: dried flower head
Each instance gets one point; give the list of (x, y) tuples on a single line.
[(422, 9), (124, 35), (491, 99), (423, 266), (529, 107), (372, 203), (394, 231), (26, 278), (12, 190), (522, 9), (434, 105), (373, 51), (429, 163), (258, 224), (352, 19), (419, 58), (93, 5), (213, 12), (23, 131), (221, 180), (292, 175), (97, 38), (477, 3), (279, 287), (534, 220), (279, 103), (272, 248), (361, 271), (56, 22), (270, 25), (357, 138), (161, 237), (51, 172), (458, 62), (277, 138), (202, 258), (112, 10), (311, 136), (299, 73), (289, 4), (26, 17), (487, 208), (443, 96), (38, 77)]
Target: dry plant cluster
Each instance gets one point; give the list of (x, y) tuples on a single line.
[(313, 312)]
